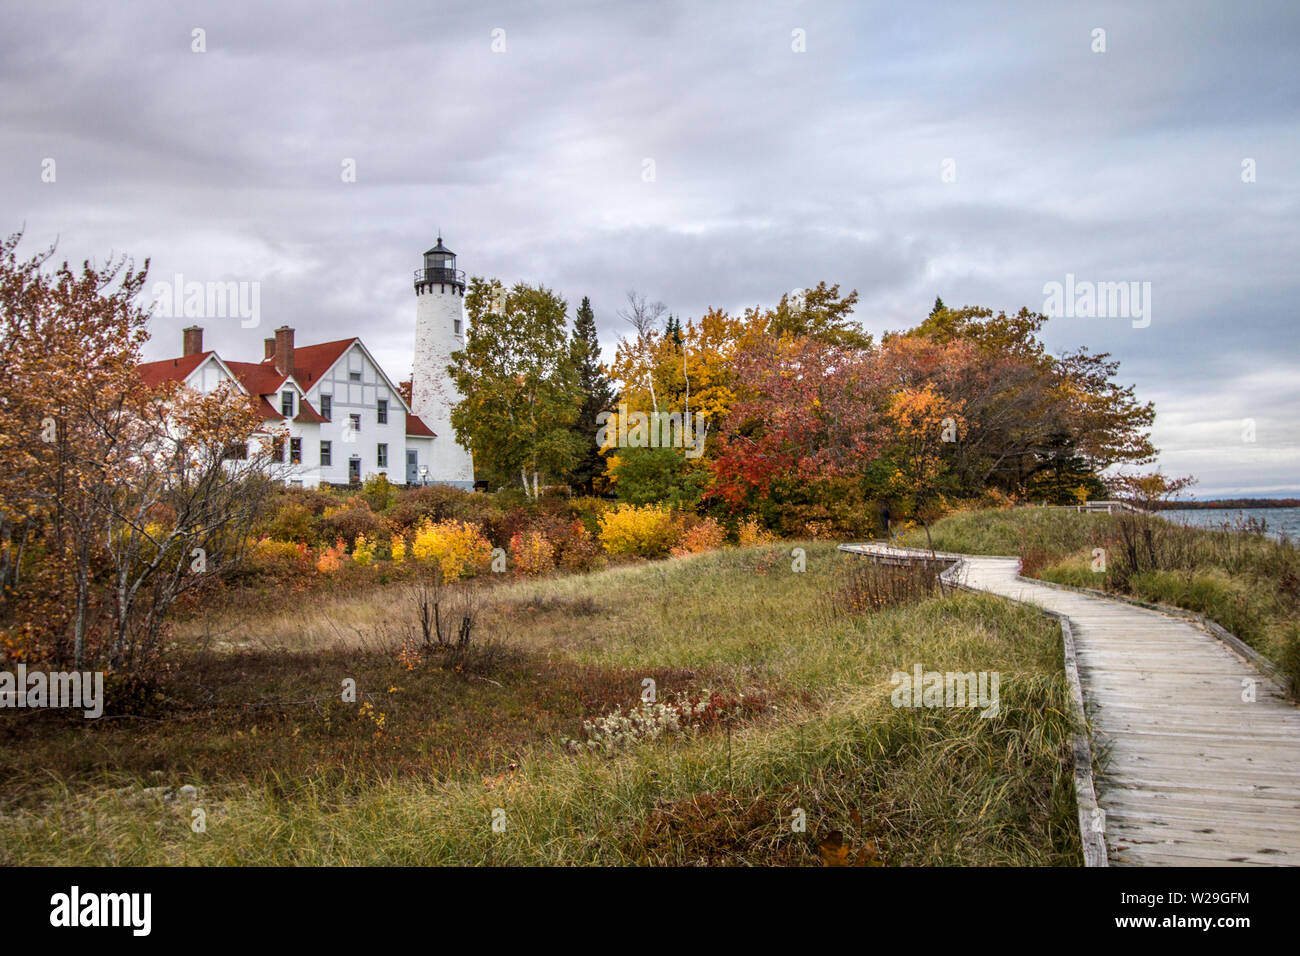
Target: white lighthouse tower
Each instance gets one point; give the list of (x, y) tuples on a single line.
[(439, 331)]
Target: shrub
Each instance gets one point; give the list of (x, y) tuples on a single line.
[(331, 558), (872, 586), (294, 521), (648, 530), (399, 548), (363, 551), (349, 520), (458, 548), (751, 533), (378, 492), (531, 554), (702, 536), (445, 503), (575, 548)]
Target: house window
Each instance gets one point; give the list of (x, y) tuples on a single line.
[(455, 325), (327, 406), (286, 404), (277, 449), (235, 451), (381, 454), (355, 418), (295, 451), (326, 454), (354, 376), (383, 411)]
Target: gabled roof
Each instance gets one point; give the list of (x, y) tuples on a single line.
[(310, 362), (258, 378), (416, 426), (154, 374), (306, 414)]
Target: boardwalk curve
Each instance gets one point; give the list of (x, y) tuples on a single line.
[(1191, 772)]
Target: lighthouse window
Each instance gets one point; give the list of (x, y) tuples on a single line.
[(456, 326)]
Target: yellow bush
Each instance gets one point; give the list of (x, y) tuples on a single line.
[(649, 530), (458, 547), (399, 548), (752, 533), (269, 549), (363, 551)]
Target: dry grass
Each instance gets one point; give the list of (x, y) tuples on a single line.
[(289, 774)]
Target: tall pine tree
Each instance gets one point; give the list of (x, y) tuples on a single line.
[(597, 396)]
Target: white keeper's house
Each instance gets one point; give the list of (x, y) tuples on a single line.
[(345, 417)]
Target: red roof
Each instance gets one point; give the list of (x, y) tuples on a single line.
[(312, 361), (154, 374), (416, 426), (257, 378), (308, 414), (262, 379)]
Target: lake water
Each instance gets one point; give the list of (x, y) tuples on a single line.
[(1278, 520)]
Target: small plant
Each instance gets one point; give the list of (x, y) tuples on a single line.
[(706, 535), (872, 586), (457, 547), (331, 559), (531, 554), (649, 531), (363, 551), (650, 720), (444, 617), (751, 533)]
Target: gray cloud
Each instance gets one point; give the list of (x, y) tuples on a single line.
[(773, 169)]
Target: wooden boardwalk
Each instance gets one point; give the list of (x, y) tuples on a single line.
[(1188, 772)]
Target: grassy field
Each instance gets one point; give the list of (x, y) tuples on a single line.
[(439, 745), (1240, 578)]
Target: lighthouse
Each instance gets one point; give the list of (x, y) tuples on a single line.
[(439, 331)]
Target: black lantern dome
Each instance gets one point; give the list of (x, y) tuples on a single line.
[(440, 270)]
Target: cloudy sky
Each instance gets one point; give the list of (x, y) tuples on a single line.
[(704, 154)]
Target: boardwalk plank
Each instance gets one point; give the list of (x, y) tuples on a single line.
[(1189, 774)]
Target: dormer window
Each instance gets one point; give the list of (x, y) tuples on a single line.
[(286, 403)]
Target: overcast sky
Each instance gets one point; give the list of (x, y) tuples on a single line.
[(706, 155)]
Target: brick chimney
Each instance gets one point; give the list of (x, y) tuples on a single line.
[(270, 348), (192, 341), (284, 350)]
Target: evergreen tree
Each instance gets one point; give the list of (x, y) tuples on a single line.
[(597, 394)]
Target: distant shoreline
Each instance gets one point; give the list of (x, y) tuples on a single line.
[(1230, 504)]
